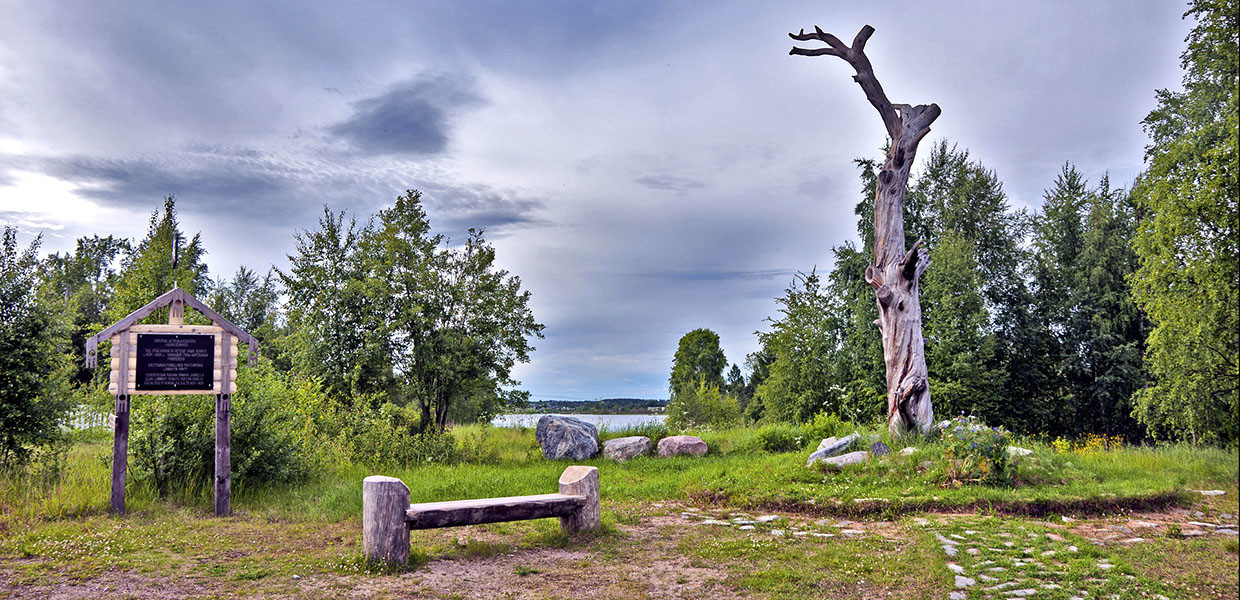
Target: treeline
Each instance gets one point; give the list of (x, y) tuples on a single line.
[(605, 406), (1106, 310), (375, 338)]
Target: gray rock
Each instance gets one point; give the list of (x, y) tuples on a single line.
[(964, 582), (908, 451), (1018, 451), (831, 447), (624, 448), (837, 462), (879, 449), (681, 444), (566, 437)]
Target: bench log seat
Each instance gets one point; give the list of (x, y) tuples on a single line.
[(387, 516), (454, 513)]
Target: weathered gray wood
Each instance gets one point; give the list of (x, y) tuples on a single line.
[(223, 455), (581, 481), (385, 533), (120, 454), (896, 271), (223, 433), (455, 513)]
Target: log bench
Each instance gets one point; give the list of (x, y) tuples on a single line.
[(387, 515)]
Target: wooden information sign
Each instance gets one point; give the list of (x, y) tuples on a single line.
[(173, 359)]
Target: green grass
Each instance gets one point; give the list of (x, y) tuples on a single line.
[(58, 529), (506, 463)]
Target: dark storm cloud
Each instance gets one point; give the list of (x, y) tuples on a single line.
[(413, 117)]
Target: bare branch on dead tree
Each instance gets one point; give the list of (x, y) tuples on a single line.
[(895, 271)]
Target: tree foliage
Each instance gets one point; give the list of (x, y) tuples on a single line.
[(147, 270), (87, 278), (33, 366), (1188, 238), (698, 359), (454, 323)]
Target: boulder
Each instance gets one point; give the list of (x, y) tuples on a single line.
[(566, 437), (831, 447), (624, 448), (1018, 451), (837, 462), (908, 451), (681, 444), (879, 449)]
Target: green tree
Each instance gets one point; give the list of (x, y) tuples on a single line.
[(33, 366), (87, 278), (147, 270), (1188, 239), (334, 328), (253, 304), (704, 405), (803, 340), (455, 324), (698, 359), (960, 351), (1113, 329)]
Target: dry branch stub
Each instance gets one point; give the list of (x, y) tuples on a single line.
[(895, 273)]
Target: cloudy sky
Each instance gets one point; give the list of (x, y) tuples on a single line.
[(647, 168)]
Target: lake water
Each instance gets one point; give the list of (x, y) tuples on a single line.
[(610, 422)]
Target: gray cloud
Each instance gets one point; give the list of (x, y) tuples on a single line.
[(669, 182), (244, 182), (722, 275), (413, 117), (454, 209)]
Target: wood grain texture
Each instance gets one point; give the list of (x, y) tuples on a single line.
[(583, 482), (120, 455), (455, 513), (896, 270), (385, 534)]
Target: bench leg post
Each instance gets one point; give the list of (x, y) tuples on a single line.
[(385, 532), (581, 481)]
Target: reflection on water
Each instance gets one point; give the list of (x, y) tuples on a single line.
[(610, 422)]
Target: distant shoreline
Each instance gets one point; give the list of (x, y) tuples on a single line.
[(605, 406)]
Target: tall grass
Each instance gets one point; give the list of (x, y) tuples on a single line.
[(758, 467)]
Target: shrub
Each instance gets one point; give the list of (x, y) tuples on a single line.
[(779, 438), (702, 406), (827, 425), (977, 452), (390, 436), (173, 437)]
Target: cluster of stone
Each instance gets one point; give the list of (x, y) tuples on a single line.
[(566, 437)]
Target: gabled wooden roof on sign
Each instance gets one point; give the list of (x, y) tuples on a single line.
[(167, 299)]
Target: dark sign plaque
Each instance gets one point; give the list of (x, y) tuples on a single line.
[(175, 361)]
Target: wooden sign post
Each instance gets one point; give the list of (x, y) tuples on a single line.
[(173, 359)]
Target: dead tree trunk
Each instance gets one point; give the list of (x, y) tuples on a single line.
[(896, 271)]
